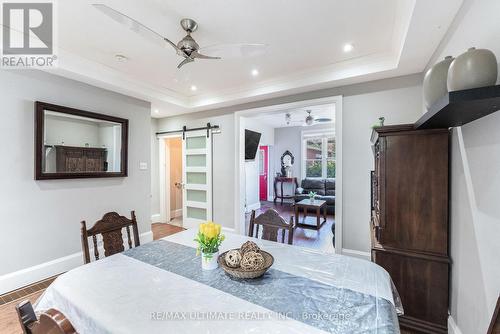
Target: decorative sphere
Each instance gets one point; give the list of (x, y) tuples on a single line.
[(249, 246), (233, 258), (252, 261)]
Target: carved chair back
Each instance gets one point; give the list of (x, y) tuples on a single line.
[(271, 223), (48, 322), (110, 228)]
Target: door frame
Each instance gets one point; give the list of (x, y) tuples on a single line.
[(164, 179), (268, 173), (239, 177)]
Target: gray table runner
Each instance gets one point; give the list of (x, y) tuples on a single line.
[(329, 308)]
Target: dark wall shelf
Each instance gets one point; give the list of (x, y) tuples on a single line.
[(461, 107)]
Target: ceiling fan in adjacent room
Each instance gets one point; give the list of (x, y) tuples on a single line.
[(311, 120), (308, 121), (186, 47)]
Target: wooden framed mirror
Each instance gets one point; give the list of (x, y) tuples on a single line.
[(287, 160), (495, 320), (72, 143)]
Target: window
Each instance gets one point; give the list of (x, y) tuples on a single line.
[(330, 157), (319, 155), (314, 157)]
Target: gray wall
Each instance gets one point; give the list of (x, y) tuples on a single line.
[(475, 184), (400, 104), (41, 219), (252, 175), (398, 99)]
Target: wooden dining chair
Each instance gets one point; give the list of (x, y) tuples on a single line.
[(271, 223), (110, 228), (49, 322)]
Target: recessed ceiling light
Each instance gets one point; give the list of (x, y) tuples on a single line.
[(121, 58), (348, 47), (157, 111), (194, 88), (255, 72)]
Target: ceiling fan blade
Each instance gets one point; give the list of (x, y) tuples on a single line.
[(228, 51), (135, 26), (185, 61), (196, 54)]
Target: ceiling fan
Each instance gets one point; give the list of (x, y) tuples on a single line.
[(186, 47), (309, 120)]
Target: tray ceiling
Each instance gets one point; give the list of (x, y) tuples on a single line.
[(305, 46)]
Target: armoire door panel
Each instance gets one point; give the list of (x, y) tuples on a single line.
[(416, 193), (422, 285)]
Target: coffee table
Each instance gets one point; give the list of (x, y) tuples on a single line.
[(307, 204)]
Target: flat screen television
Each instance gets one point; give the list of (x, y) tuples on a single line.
[(252, 139)]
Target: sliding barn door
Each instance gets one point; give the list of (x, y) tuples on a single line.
[(196, 178)]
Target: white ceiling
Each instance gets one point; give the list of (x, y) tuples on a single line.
[(305, 42), (278, 120)]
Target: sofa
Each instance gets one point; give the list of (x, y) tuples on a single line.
[(324, 189)]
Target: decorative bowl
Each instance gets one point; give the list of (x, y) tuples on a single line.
[(240, 273)]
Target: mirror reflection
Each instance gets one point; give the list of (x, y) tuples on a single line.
[(76, 144)]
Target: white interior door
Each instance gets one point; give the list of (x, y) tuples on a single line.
[(196, 178)]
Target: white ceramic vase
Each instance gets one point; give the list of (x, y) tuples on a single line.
[(473, 69), (209, 261), (435, 81)]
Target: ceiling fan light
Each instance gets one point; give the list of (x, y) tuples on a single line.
[(309, 119), (348, 47)]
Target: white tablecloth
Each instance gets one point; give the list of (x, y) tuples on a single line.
[(120, 294)]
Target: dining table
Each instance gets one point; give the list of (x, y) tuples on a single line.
[(160, 287)]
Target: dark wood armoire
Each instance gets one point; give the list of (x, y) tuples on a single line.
[(409, 220)]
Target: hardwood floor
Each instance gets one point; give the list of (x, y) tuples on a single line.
[(161, 230), (321, 239), (8, 316)]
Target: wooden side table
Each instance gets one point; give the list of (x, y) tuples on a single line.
[(281, 180), (306, 204)]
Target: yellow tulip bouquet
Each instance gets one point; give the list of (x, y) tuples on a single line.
[(209, 239)]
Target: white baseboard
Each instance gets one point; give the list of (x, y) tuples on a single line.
[(23, 277), (176, 213), (356, 253), (156, 218), (146, 237), (254, 206), (452, 326)]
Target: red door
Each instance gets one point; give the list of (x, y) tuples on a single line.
[(263, 162)]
